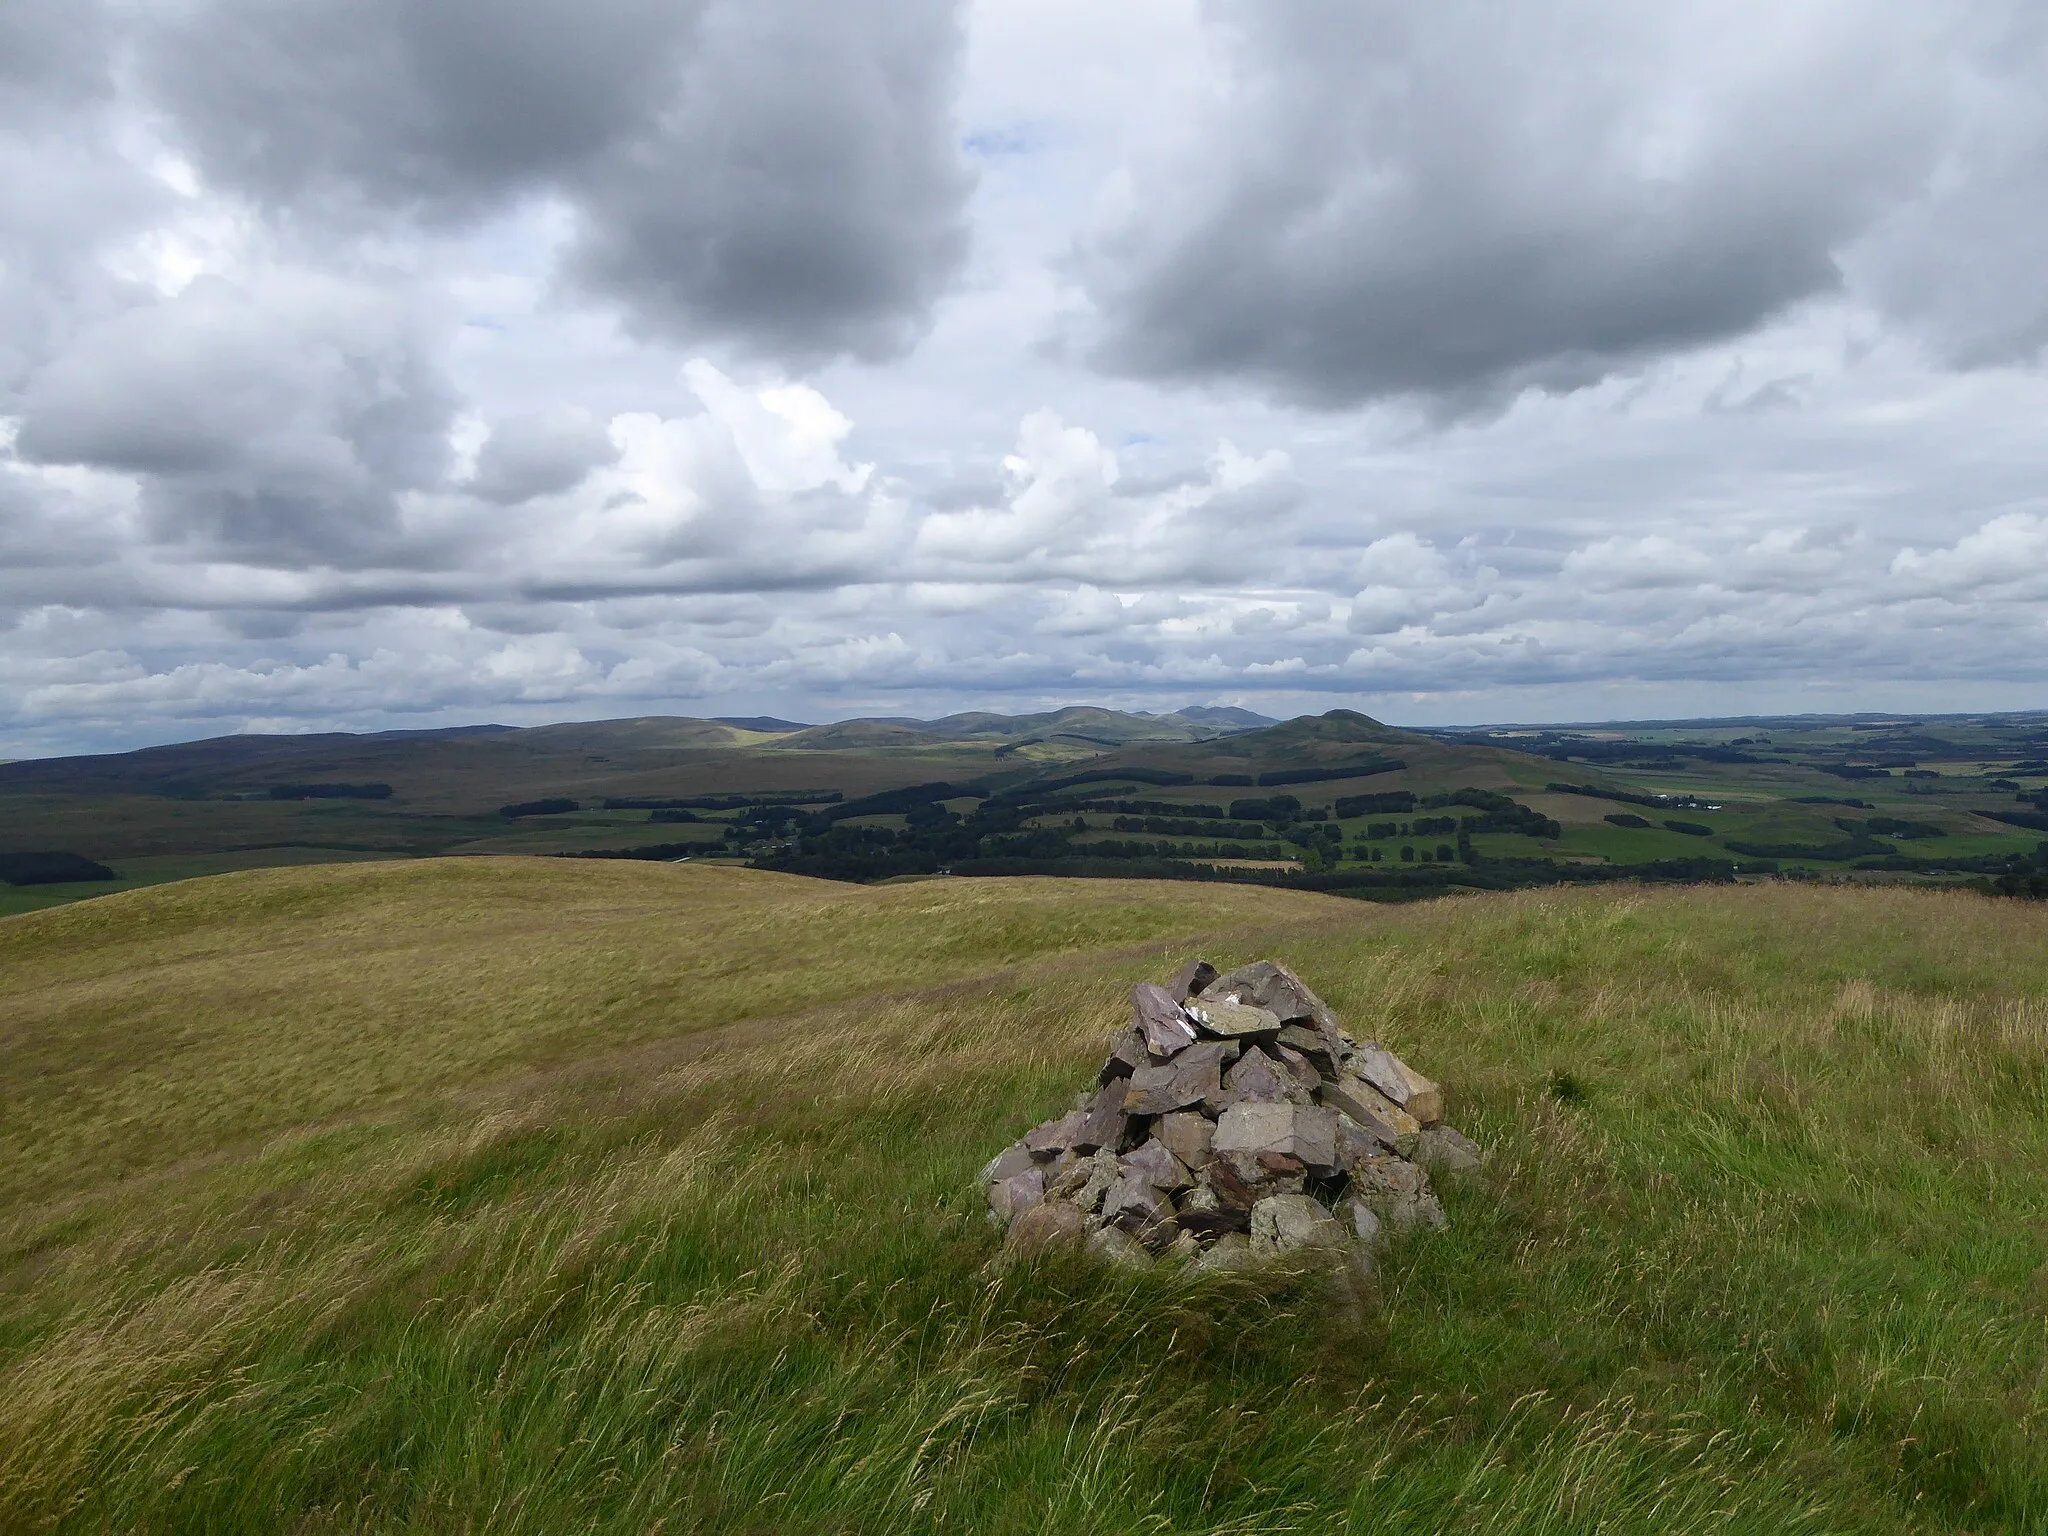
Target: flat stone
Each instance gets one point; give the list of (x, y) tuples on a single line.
[(1355, 1144), (1157, 1162), (1084, 1182), (1442, 1150), (1013, 1159), (1299, 1130), (1102, 1122), (1313, 1044), (1227, 1020), (1290, 1223), (1119, 1248), (1049, 1224), (1192, 1076), (1127, 1053), (1193, 977), (1156, 1014), (1012, 1197), (1398, 1081), (1188, 1136), (1268, 984), (1056, 1136), (1373, 1110)]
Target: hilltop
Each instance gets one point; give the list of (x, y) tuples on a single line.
[(604, 1196)]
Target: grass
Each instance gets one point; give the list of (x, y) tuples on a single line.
[(516, 1195)]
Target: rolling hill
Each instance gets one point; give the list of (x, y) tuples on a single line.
[(539, 1195)]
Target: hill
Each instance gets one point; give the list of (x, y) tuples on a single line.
[(596, 1196)]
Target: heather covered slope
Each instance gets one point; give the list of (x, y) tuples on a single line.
[(530, 1195)]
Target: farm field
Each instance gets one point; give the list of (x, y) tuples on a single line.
[(535, 1194)]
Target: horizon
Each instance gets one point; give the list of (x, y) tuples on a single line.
[(369, 366)]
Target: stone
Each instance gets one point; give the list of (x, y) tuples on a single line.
[(1311, 1043), (1084, 1182), (1012, 1197), (1233, 1250), (1056, 1136), (1290, 1223), (1013, 1159), (1304, 1072), (1299, 1130), (1241, 1182), (1257, 1079), (1049, 1224), (1192, 1076), (1368, 1107), (1227, 1020), (1119, 1248), (1188, 1136), (1355, 1144), (1442, 1150), (1184, 1249), (1127, 1053), (1398, 1081), (1203, 1210), (1158, 1017), (1399, 1191), (1102, 1123), (1139, 1207), (1193, 977), (1157, 1162), (1270, 985), (1365, 1223)]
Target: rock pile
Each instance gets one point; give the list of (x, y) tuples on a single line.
[(1234, 1120)]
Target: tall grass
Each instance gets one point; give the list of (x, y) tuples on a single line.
[(1759, 1248)]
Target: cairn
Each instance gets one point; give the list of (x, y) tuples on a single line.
[(1235, 1120)]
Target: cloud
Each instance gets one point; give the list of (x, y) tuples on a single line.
[(539, 453), (1454, 202), (781, 174)]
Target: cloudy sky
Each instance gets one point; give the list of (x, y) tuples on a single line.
[(372, 363)]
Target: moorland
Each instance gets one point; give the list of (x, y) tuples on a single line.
[(1337, 802), (532, 1194)]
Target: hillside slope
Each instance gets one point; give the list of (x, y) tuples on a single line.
[(524, 1195)]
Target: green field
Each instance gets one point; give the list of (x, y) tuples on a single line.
[(538, 1195)]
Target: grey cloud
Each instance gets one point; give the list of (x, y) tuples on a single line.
[(1460, 201), (275, 426), (780, 174), (539, 453)]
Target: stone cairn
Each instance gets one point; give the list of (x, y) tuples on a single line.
[(1235, 1120)]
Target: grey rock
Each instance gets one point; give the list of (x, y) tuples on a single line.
[(1157, 1015), (1442, 1150), (1139, 1207), (1102, 1123), (1398, 1081), (1184, 1249), (1013, 1159), (1304, 1072), (1233, 1250), (1290, 1223), (1258, 1079), (1373, 1110), (1202, 1210), (1300, 1131), (1241, 1181), (1192, 1076), (1127, 1053), (1056, 1136), (1399, 1191), (1228, 1020), (1188, 1136), (1157, 1162), (1012, 1197), (1049, 1224), (1119, 1248), (1326, 1059), (1365, 1222), (1084, 1182), (1193, 977)]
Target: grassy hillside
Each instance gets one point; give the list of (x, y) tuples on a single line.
[(524, 1195)]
